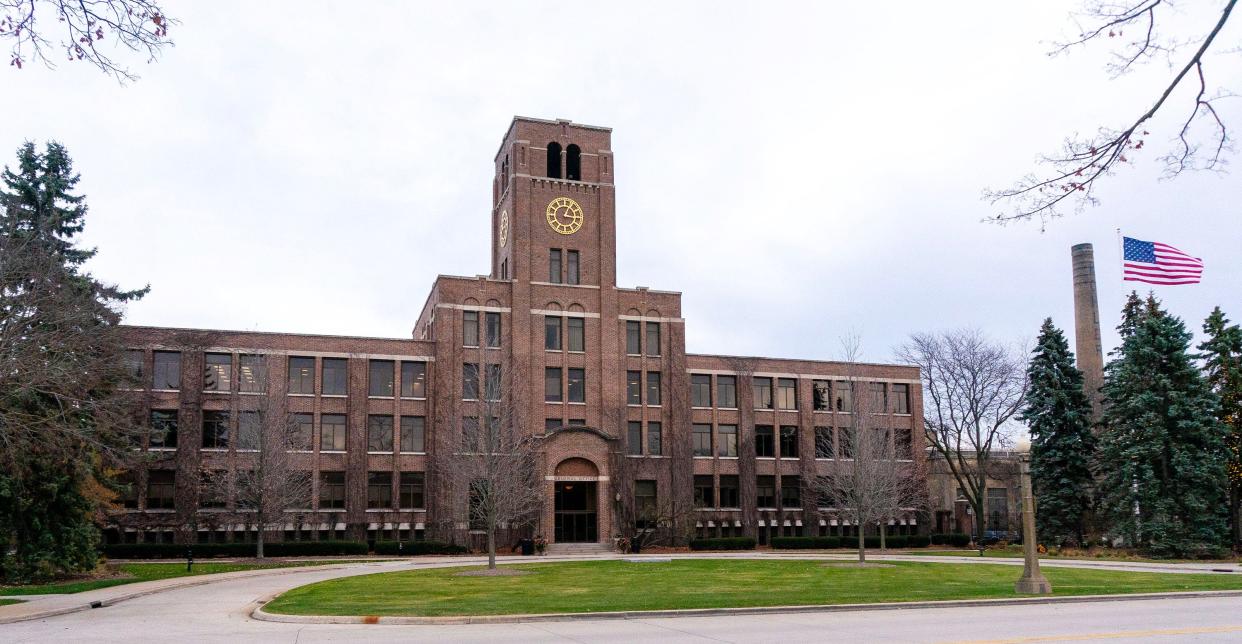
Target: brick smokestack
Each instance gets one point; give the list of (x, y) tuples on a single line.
[(1087, 324)]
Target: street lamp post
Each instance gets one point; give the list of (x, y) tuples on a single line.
[(1032, 581)]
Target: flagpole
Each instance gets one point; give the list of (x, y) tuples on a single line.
[(1121, 259)]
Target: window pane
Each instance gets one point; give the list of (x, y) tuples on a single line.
[(571, 267), (413, 433), (381, 378), (632, 337), (653, 387), (554, 266), (655, 439), (332, 432), (302, 428), (901, 398), (252, 373), (414, 379), (493, 329), (729, 497), (552, 384), (879, 398), (379, 490), (765, 491), (163, 428), (727, 440), (634, 387), (492, 382), (470, 328), (764, 440), (161, 490), (844, 393), (133, 365), (702, 439), (249, 430), (335, 376), (167, 370), (786, 393), (726, 391), (577, 334), (411, 490), (701, 390), (845, 442), (762, 390), (789, 441), (217, 371), (216, 429), (704, 491), (552, 332), (791, 492), (552, 424), (379, 433), (470, 381), (823, 442), (653, 338), (577, 385), (301, 375), (332, 490), (821, 394), (634, 438)]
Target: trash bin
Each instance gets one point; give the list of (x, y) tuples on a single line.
[(528, 547)]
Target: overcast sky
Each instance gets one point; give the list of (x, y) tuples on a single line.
[(795, 170)]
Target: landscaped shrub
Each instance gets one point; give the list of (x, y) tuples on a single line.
[(413, 548), (918, 541), (723, 543), (957, 539), (805, 543), (209, 550), (313, 548), (896, 541)]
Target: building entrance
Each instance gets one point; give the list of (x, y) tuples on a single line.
[(576, 512)]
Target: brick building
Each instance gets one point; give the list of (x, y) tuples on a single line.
[(599, 372)]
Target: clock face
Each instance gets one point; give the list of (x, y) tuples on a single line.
[(564, 215), (504, 228)]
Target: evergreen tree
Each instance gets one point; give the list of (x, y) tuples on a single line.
[(1161, 459), (64, 418), (1059, 417), (1222, 356)]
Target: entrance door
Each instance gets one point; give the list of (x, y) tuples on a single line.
[(575, 512)]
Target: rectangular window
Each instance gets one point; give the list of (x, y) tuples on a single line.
[(411, 490), (821, 393), (166, 373), (212, 491), (164, 428), (702, 439), (729, 491), (332, 432), (901, 398), (301, 429), (413, 379), (634, 387), (552, 332), (301, 375), (700, 390), (379, 490), (217, 371), (161, 490), (133, 365), (249, 430), (492, 382), (634, 438), (571, 267), (704, 491), (655, 439), (726, 441), (413, 434), (791, 491), (653, 338), (761, 387), (381, 378), (379, 433), (577, 334), (493, 329), (470, 328), (645, 506), (331, 490), (786, 394), (251, 373), (653, 387), (576, 422), (823, 442), (577, 385), (903, 446), (216, 429), (552, 424), (844, 393), (845, 442), (633, 337), (789, 441), (764, 441), (765, 491), (726, 392), (469, 381), (552, 384), (998, 509), (334, 376), (879, 398), (554, 266)]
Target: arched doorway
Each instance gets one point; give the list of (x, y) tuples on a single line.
[(576, 502)]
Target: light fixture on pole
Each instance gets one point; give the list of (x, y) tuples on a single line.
[(1032, 581)]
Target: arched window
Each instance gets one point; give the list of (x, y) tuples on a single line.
[(573, 163), (554, 160)]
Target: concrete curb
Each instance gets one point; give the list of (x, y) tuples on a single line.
[(262, 615)]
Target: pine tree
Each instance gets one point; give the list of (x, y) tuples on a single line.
[(1161, 460), (64, 418), (1059, 417), (1222, 356)]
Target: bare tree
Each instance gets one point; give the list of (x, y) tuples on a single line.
[(1069, 176), (972, 388), (88, 30), (664, 517), (495, 460), (265, 479), (870, 482)]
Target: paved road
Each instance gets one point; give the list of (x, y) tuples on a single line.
[(219, 612)]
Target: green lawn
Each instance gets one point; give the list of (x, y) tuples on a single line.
[(1016, 553), (6, 602), (597, 586), (146, 572)]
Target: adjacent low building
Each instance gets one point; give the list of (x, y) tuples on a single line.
[(598, 372)]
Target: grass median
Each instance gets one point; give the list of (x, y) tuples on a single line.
[(600, 586), (130, 573)]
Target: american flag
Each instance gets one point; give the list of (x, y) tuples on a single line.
[(1157, 263)]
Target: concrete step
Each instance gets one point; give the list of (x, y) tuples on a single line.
[(577, 548)]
